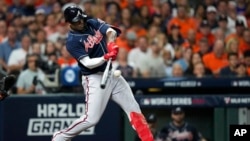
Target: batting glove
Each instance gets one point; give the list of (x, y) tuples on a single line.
[(112, 47), (111, 55)]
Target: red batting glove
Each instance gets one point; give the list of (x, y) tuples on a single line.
[(111, 55), (112, 47)]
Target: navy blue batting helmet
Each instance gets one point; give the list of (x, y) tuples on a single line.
[(74, 14)]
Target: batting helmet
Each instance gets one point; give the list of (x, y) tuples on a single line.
[(74, 14)]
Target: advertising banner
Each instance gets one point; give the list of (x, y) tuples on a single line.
[(187, 82), (194, 101), (36, 118)]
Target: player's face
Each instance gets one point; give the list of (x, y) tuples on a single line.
[(77, 25), (178, 117)]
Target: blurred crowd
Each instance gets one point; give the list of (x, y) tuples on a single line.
[(160, 38), (179, 38)]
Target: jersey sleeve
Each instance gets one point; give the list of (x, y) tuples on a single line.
[(100, 25), (76, 49)]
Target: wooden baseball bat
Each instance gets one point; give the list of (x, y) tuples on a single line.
[(106, 74)]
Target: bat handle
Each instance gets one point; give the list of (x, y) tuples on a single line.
[(105, 75), (103, 86)]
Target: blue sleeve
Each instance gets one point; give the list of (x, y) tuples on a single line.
[(76, 49), (99, 25)]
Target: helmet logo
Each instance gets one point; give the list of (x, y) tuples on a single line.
[(78, 13), (77, 17)]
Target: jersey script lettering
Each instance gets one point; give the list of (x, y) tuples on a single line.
[(92, 40)]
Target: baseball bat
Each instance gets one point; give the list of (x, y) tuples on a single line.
[(105, 75)]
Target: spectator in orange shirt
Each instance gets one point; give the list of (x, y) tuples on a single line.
[(190, 40), (239, 27), (66, 59), (37, 2), (202, 47), (205, 32), (130, 4), (183, 20), (137, 27), (140, 3), (217, 59), (135, 3), (155, 7), (122, 41), (245, 42)]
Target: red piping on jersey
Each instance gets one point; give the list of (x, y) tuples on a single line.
[(86, 110)]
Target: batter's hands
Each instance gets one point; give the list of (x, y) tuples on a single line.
[(112, 47), (112, 51), (111, 55)]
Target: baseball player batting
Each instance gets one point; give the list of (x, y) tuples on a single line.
[(91, 43)]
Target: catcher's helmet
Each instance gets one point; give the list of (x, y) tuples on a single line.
[(73, 14)]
